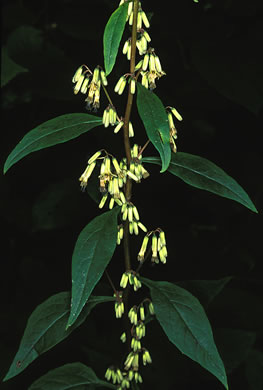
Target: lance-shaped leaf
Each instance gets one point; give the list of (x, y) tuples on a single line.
[(202, 173), (46, 328), (55, 131), (75, 376), (112, 36), (155, 120), (93, 250), (186, 325)]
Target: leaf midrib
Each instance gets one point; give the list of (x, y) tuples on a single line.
[(43, 333), (95, 249), (211, 179)]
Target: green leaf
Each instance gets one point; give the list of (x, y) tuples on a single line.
[(9, 69), (46, 328), (155, 120), (112, 36), (55, 131), (205, 290), (93, 250), (186, 325), (202, 173), (75, 376)]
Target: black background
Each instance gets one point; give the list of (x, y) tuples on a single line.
[(211, 52)]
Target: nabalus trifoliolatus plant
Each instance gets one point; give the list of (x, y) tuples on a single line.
[(178, 312)]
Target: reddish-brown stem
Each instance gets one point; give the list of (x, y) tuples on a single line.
[(128, 187)]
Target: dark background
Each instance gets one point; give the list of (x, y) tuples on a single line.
[(211, 52)]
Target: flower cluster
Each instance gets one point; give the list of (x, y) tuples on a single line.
[(82, 82), (131, 364), (171, 111), (131, 277), (119, 305), (158, 247), (109, 116), (130, 213), (141, 18), (112, 177)]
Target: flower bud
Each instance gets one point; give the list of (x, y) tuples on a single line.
[(106, 117), (131, 132), (141, 226), (152, 63), (171, 121), (131, 19), (135, 228), (176, 114), (142, 314), (143, 248), (132, 176), (146, 357), (125, 213), (122, 86), (162, 238), (111, 204), (145, 62), (86, 174), (151, 309), (116, 165), (145, 81), (147, 36), (96, 74), (123, 337), (139, 65), (124, 280), (103, 201), (77, 74), (112, 116), (78, 84), (145, 19), (139, 20), (117, 86), (84, 86), (118, 127), (157, 62), (133, 86), (126, 46), (119, 375), (121, 231), (130, 8), (103, 77), (108, 373), (143, 44), (135, 213), (137, 377), (163, 254)]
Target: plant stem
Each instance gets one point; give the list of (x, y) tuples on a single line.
[(127, 146), (128, 187)]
